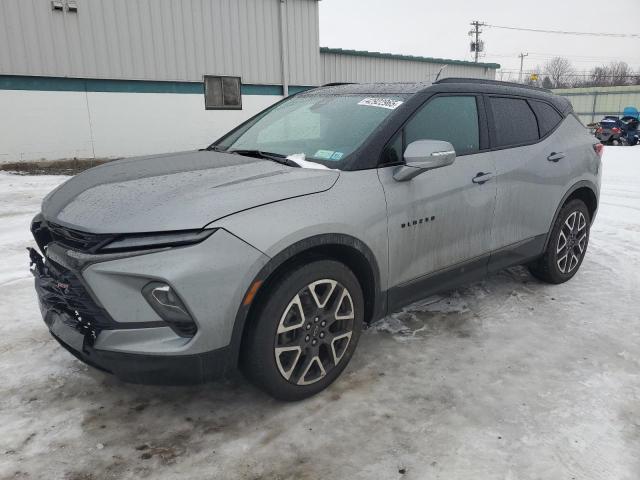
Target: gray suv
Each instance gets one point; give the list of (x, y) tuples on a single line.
[(273, 247)]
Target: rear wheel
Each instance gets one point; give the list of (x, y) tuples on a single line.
[(567, 245), (306, 331)]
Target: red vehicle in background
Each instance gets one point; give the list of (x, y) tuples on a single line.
[(608, 131)]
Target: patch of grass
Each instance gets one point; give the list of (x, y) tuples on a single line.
[(69, 166)]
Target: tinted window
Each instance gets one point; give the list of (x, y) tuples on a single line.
[(548, 117), (453, 119), (514, 121), (392, 153)]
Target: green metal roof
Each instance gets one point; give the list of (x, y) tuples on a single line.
[(413, 58)]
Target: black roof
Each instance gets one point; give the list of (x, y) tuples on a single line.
[(355, 88), (457, 85)]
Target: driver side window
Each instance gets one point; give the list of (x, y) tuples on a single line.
[(450, 118)]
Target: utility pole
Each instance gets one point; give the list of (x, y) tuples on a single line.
[(476, 46), (522, 55)]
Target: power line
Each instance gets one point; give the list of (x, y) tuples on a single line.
[(589, 58), (573, 55), (565, 32), (528, 72)]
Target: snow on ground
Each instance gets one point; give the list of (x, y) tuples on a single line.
[(504, 379)]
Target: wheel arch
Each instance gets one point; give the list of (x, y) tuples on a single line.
[(583, 190), (352, 252)]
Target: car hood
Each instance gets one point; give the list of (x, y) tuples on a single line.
[(175, 191)]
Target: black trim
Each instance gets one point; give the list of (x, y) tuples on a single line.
[(156, 369), (444, 279), (486, 81), (465, 272), (581, 184), (517, 254), (379, 307), (483, 123)]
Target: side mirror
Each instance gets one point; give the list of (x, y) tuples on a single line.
[(423, 155)]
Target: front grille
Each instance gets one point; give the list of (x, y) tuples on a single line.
[(60, 290), (45, 232)]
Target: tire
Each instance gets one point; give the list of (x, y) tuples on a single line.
[(567, 245), (305, 332)]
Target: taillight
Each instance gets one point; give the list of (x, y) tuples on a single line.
[(615, 130), (599, 148), (599, 130)]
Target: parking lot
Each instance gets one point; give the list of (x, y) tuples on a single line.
[(508, 378)]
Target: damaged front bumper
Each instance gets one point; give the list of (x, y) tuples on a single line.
[(76, 321)]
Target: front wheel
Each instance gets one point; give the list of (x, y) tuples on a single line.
[(306, 331), (567, 245)]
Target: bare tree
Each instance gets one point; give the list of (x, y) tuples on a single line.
[(560, 72), (619, 73), (599, 77), (616, 73)]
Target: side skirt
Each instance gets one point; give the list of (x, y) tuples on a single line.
[(466, 272), (517, 254)]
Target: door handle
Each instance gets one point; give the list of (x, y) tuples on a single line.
[(482, 177), (555, 156)]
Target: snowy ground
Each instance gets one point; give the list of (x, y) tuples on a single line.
[(504, 379)]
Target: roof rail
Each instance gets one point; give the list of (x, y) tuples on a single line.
[(336, 84), (486, 81)]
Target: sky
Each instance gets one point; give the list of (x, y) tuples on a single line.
[(439, 29)]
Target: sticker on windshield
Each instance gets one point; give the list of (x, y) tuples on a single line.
[(324, 154), (388, 103)]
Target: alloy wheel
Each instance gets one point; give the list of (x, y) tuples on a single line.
[(572, 242), (314, 332)]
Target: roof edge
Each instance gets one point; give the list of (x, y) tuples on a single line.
[(414, 58)]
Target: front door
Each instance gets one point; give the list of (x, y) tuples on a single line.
[(441, 219)]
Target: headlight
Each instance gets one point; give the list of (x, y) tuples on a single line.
[(145, 241)]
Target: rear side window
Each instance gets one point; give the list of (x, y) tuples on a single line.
[(514, 121), (453, 119), (548, 117)]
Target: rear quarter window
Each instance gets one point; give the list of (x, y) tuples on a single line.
[(548, 117), (514, 121)]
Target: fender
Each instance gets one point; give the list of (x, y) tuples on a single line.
[(378, 308), (582, 183)]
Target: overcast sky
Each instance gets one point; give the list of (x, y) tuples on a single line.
[(439, 29)]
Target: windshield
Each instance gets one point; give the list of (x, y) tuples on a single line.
[(318, 128)]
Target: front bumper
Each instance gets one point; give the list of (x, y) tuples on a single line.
[(97, 312)]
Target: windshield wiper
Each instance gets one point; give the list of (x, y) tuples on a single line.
[(274, 157), (215, 148)]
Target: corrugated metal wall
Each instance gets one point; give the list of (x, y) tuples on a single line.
[(340, 67), (593, 103), (179, 40)]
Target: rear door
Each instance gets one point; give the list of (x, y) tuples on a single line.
[(529, 153), (441, 218)]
